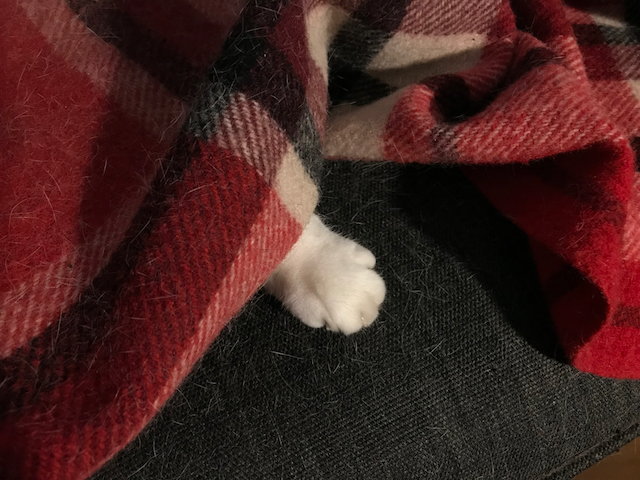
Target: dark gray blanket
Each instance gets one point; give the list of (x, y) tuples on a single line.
[(460, 378)]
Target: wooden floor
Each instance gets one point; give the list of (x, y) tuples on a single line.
[(622, 465)]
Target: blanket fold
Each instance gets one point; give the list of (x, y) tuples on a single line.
[(158, 160)]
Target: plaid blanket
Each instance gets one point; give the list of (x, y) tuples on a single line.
[(157, 163)]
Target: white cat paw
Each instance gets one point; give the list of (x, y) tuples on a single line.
[(328, 281)]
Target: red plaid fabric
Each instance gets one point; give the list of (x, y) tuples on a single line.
[(157, 164)]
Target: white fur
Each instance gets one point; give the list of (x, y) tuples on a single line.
[(328, 281)]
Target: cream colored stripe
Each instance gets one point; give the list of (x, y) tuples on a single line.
[(452, 52), (610, 15), (635, 88), (250, 132), (358, 132), (295, 187), (323, 23)]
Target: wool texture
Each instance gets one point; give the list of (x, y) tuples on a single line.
[(159, 160)]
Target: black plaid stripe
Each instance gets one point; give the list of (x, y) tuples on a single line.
[(567, 279), (597, 56), (627, 316), (628, 35), (274, 84), (141, 45), (367, 31), (586, 193), (357, 43), (451, 96), (635, 145), (241, 53), (252, 65), (632, 12), (86, 320), (356, 87), (308, 147), (352, 50), (534, 58), (588, 35)]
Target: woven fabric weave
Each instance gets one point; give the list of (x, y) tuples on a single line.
[(461, 376), (158, 163)]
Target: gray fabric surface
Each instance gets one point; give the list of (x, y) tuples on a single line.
[(461, 377)]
